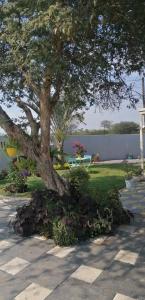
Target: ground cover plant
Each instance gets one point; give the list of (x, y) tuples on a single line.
[(72, 217)]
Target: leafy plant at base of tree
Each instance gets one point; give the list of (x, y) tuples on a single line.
[(112, 202), (63, 234), (79, 178), (18, 182), (69, 219)]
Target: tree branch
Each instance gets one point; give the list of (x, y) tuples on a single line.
[(33, 124), (15, 132), (57, 92), (31, 83)]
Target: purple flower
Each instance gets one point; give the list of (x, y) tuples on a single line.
[(24, 173)]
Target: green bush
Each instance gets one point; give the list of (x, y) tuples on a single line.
[(79, 178), (100, 226), (26, 164), (18, 182), (70, 218), (112, 202), (59, 166), (63, 234), (137, 171)]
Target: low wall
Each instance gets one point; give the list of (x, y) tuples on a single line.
[(110, 147)]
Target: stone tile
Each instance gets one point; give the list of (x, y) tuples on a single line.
[(40, 237), (30, 248), (87, 274), (122, 297), (79, 290), (49, 271), (11, 286), (127, 257), (13, 214), (61, 252), (119, 279), (5, 244), (34, 292), (14, 266), (5, 207), (127, 228), (99, 241)]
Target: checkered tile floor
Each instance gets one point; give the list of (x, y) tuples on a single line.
[(106, 268)]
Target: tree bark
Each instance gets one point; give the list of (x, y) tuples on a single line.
[(60, 156), (37, 151), (51, 178), (49, 175)]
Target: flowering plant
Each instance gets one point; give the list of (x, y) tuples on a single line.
[(79, 149)]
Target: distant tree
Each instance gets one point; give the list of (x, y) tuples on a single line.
[(125, 128), (106, 124), (89, 132)]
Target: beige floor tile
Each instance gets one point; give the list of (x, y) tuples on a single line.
[(122, 297), (87, 274), (5, 207), (34, 292), (14, 266), (5, 244), (61, 252), (127, 257), (40, 237), (99, 241)]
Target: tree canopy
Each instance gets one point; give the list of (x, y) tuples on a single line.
[(50, 47), (125, 128)]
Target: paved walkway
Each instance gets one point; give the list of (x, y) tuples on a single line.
[(111, 268)]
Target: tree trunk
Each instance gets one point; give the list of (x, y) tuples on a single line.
[(33, 150), (51, 178), (49, 175), (60, 156)]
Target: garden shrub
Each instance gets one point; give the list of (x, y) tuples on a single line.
[(64, 166), (137, 171), (26, 164), (79, 178), (112, 202), (69, 218), (18, 182), (38, 215), (63, 233)]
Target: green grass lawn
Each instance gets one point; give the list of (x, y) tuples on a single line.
[(102, 178)]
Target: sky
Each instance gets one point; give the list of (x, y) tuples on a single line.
[(93, 116)]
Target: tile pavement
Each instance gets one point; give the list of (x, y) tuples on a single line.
[(106, 268)]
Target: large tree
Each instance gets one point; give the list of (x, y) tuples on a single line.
[(47, 47)]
